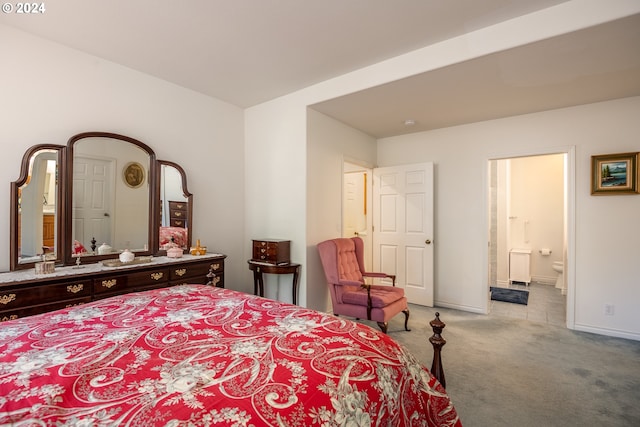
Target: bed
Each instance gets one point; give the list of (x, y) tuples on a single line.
[(196, 355)]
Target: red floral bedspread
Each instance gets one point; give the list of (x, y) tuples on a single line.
[(205, 356)]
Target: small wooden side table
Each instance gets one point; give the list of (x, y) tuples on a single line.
[(259, 268)]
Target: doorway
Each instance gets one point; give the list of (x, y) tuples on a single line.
[(529, 213), (356, 206), (395, 223)]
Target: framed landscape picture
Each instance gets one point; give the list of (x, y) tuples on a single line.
[(614, 173)]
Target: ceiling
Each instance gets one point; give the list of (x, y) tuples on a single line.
[(250, 51)]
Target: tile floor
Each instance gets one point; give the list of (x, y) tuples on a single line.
[(546, 304)]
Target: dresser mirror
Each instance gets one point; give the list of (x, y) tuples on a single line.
[(36, 206), (110, 179), (96, 196), (175, 207)]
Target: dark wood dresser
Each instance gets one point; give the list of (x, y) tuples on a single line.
[(23, 293), (178, 214)]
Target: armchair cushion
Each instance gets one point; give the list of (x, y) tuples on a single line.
[(348, 267), (381, 296)]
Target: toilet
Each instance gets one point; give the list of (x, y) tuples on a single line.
[(558, 266)]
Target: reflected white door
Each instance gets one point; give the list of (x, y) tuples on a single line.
[(92, 183), (403, 228), (354, 217)]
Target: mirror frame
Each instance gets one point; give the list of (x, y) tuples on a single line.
[(185, 193), (153, 206), (14, 263)]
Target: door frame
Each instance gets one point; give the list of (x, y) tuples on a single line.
[(570, 220)]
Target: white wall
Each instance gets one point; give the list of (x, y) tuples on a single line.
[(330, 144), (49, 93), (602, 273)]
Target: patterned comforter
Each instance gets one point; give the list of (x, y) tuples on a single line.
[(203, 356)]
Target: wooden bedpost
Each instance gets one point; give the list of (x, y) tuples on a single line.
[(437, 342)]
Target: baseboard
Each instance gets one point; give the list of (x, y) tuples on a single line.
[(608, 332), (544, 280), (460, 307)]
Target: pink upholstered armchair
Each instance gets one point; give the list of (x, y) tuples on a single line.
[(343, 263)]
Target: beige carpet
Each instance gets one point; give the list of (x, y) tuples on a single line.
[(510, 372)]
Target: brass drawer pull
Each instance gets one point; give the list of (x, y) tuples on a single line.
[(12, 317), (74, 289), (215, 281), (157, 276), (178, 214), (109, 283), (215, 267), (181, 272), (178, 222), (6, 299), (73, 305)]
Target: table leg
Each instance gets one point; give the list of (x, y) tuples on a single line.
[(295, 285), (256, 278), (260, 282)]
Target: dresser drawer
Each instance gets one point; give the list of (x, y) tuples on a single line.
[(195, 273), (42, 294), (151, 277), (217, 280), (179, 206), (272, 251), (122, 283), (43, 308), (178, 214), (187, 271), (178, 223)]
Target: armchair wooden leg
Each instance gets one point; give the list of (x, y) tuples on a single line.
[(383, 326), (406, 319)]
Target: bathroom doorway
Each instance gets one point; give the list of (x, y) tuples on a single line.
[(528, 214)]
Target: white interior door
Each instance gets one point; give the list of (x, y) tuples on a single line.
[(92, 184), (403, 228)]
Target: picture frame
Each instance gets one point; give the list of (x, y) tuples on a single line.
[(614, 174), (133, 174)]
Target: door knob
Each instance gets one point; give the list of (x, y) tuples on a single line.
[(428, 242)]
